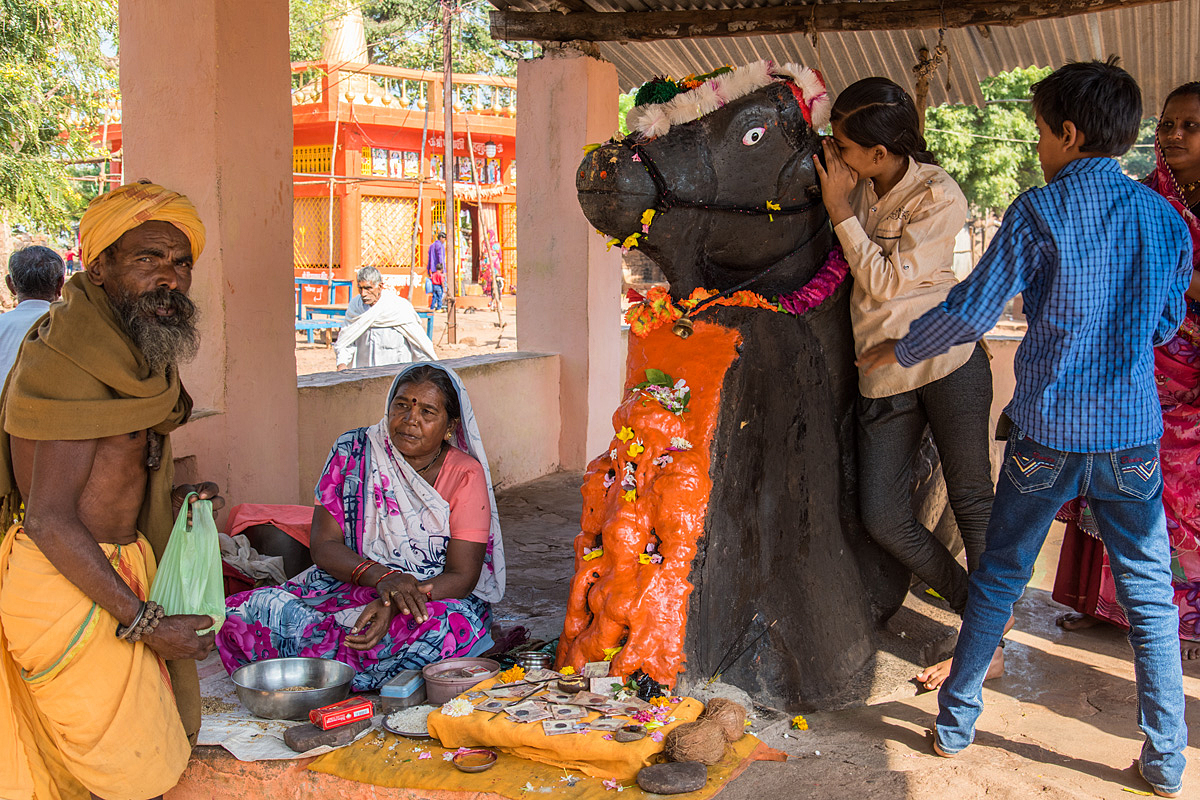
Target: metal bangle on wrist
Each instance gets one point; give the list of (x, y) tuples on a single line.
[(149, 615)]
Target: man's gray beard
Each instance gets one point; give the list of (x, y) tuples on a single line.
[(163, 343)]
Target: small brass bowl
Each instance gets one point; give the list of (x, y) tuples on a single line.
[(476, 760), (572, 684)]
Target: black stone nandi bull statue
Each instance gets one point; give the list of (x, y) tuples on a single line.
[(720, 534)]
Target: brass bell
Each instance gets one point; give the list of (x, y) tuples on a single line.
[(682, 328)]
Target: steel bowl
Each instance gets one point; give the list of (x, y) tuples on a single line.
[(259, 686), (535, 660)]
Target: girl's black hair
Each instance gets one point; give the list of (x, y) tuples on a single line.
[(877, 111), (427, 373)]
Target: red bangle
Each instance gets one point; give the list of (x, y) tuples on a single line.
[(361, 570), (384, 575)]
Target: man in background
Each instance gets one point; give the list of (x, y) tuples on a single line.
[(381, 327), (437, 271), (35, 277)]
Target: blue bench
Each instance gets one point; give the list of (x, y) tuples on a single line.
[(308, 326)]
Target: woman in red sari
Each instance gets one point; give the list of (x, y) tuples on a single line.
[(1084, 579)]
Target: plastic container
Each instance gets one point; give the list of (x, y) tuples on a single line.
[(445, 680), (405, 690)]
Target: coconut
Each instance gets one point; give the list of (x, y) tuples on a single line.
[(702, 740), (729, 715)]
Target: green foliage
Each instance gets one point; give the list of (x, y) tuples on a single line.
[(307, 27), (624, 103), (408, 33), (1139, 161), (990, 151), (53, 77)]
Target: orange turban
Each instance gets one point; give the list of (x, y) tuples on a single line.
[(110, 215)]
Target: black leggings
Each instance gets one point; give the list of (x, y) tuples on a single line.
[(889, 433)]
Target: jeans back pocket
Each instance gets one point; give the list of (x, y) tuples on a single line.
[(1030, 466), (1137, 471)]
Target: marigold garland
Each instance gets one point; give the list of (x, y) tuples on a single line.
[(657, 309)]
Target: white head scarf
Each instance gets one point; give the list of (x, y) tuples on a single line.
[(424, 514)]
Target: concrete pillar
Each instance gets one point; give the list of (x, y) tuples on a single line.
[(570, 293), (205, 97)]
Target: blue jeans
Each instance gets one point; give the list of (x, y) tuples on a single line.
[(435, 303), (1124, 491)]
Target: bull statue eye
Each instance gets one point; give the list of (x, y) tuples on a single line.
[(753, 136)]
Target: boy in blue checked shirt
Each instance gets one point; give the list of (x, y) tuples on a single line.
[(1102, 262)]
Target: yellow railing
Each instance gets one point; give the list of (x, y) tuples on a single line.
[(316, 82), (383, 87)]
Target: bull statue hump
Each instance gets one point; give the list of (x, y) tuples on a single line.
[(720, 533)]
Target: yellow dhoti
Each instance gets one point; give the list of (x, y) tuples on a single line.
[(80, 710)]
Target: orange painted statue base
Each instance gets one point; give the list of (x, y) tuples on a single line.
[(644, 507)]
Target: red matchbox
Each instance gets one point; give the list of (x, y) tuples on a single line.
[(342, 713)]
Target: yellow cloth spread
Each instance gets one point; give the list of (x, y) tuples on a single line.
[(110, 215), (388, 760), (589, 753), (80, 710)]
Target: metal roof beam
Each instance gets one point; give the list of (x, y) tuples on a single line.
[(641, 26)]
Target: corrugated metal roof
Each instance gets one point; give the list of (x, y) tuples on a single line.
[(1159, 44)]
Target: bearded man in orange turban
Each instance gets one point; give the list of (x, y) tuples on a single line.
[(98, 690)]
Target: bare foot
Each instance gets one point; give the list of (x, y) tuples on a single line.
[(1157, 790), (1074, 621), (933, 677), (1189, 649), (937, 748)]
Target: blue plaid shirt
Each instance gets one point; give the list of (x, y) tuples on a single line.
[(1103, 263)]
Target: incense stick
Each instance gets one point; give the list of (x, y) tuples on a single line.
[(745, 649), (732, 645)]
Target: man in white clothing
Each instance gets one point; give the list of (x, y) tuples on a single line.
[(35, 275), (381, 328)]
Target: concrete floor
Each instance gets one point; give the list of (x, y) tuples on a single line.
[(1061, 722)]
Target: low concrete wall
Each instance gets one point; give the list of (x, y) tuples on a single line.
[(515, 397), (1003, 349)]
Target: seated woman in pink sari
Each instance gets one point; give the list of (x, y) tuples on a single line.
[(1084, 579), (405, 543)]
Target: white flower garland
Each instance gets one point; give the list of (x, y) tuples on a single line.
[(655, 119)]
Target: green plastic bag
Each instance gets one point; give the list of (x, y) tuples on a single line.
[(189, 579)]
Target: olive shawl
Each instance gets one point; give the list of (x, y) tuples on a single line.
[(79, 376)]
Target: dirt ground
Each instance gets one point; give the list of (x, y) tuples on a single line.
[(479, 332), (1061, 723)]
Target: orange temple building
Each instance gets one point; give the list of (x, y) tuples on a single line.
[(368, 189)]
